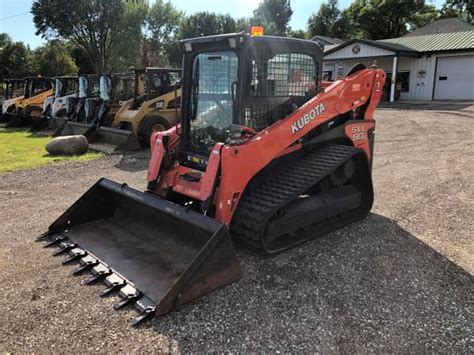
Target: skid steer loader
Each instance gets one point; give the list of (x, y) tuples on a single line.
[(14, 91), (75, 109), (261, 153), (66, 87), (114, 90), (154, 108), (29, 109)]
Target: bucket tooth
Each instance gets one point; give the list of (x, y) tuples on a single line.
[(42, 237), (64, 247), (75, 256), (55, 240), (84, 266), (147, 313), (114, 284), (128, 299), (99, 273)]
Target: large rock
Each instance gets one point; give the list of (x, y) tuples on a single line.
[(70, 145)]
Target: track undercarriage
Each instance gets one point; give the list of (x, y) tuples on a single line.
[(325, 190)]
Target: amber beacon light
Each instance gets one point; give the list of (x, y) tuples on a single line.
[(256, 30)]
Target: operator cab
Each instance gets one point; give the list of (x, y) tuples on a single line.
[(65, 86), (35, 85), (14, 88), (235, 85)]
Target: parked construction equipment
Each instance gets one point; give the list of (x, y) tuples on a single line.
[(76, 108), (29, 109), (262, 153), (153, 108), (14, 91), (65, 87), (114, 89)]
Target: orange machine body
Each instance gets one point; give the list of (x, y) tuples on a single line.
[(236, 165)]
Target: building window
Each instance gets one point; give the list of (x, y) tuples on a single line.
[(327, 75)]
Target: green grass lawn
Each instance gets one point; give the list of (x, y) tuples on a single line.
[(24, 150)]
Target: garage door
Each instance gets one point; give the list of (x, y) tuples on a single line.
[(455, 78)]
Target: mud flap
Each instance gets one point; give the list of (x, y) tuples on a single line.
[(156, 255), (110, 140)]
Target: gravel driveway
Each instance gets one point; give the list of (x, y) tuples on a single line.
[(399, 281)]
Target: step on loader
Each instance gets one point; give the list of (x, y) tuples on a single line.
[(262, 155), (29, 109), (14, 91), (153, 108)]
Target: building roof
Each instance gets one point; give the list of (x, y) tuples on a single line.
[(327, 40), (410, 45), (394, 47), (444, 25), (435, 42)]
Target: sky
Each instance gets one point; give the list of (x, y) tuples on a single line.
[(16, 20)]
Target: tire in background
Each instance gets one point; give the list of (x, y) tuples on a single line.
[(150, 125)]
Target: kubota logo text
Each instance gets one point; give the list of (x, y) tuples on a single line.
[(304, 120)]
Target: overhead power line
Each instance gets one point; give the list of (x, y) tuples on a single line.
[(12, 16)]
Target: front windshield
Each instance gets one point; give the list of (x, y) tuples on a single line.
[(83, 86), (214, 78), (28, 86), (58, 88), (105, 85), (124, 87)]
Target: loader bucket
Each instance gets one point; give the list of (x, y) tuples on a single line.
[(155, 254), (110, 140), (71, 128)]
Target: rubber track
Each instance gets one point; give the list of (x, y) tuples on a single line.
[(259, 204)]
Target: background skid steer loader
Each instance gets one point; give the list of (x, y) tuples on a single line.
[(29, 109), (65, 87), (76, 109), (261, 151), (14, 91), (114, 89), (153, 108)]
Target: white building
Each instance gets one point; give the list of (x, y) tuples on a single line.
[(427, 66)]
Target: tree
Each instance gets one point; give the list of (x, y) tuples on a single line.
[(15, 59), (297, 34), (243, 24), (424, 16), (4, 40), (81, 59), (88, 24), (53, 59), (162, 24), (206, 24), (456, 8), (126, 40), (329, 21), (379, 19), (197, 25), (274, 15)]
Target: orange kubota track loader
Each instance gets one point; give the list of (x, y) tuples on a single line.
[(262, 154)]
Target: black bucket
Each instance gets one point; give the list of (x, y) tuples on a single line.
[(71, 128), (110, 140), (155, 254)]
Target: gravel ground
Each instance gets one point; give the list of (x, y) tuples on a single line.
[(399, 281)]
